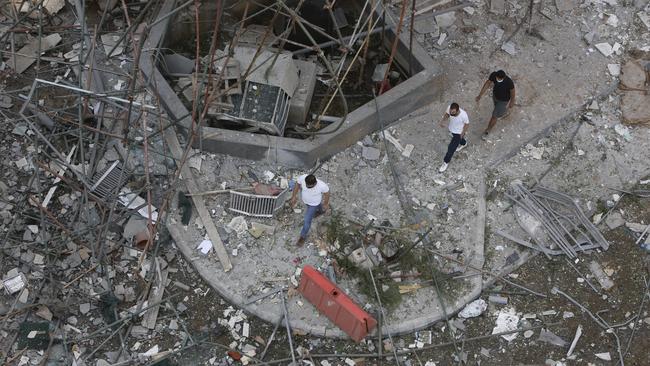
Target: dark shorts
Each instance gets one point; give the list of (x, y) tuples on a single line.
[(500, 108)]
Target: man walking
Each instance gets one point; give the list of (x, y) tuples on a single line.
[(315, 195), (458, 124), (503, 95)]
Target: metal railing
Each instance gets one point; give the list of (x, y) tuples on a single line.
[(256, 205)]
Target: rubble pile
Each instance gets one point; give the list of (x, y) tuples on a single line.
[(125, 242)]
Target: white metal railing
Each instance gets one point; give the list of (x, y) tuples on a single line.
[(256, 205)]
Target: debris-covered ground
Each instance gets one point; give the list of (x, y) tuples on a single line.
[(89, 165)]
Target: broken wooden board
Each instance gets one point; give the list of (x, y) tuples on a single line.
[(155, 296), (27, 55), (199, 203)]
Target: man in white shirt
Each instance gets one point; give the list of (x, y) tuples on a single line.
[(316, 196), (458, 124)]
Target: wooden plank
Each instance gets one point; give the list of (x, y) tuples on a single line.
[(155, 296), (199, 203)]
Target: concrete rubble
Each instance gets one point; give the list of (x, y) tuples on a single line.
[(124, 243)]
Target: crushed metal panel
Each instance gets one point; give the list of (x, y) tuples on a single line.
[(109, 180), (27, 55)]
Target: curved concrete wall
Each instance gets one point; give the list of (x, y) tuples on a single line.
[(417, 91)]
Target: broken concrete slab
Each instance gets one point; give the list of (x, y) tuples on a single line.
[(604, 48), (380, 71), (591, 37), (635, 108), (633, 76), (446, 20), (257, 229), (370, 153), (178, 64), (426, 26), (551, 338), (27, 55), (614, 220), (636, 227), (110, 41), (509, 48), (597, 270), (135, 225), (614, 69)]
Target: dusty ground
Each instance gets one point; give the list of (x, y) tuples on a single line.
[(555, 73)]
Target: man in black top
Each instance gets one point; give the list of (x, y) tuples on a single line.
[(503, 95)]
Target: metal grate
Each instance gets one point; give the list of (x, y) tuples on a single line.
[(256, 205), (109, 180)]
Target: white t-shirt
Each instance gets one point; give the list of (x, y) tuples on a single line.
[(456, 123), (314, 195)]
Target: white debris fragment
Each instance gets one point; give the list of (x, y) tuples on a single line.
[(239, 225), (205, 246), (14, 282), (597, 217), (194, 162), (507, 320), (408, 149), (442, 38), (623, 131), (509, 48), (473, 309), (612, 20), (614, 69), (575, 340), (604, 356), (645, 18), (151, 352), (604, 48)]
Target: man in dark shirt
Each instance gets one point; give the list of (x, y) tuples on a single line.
[(503, 95)]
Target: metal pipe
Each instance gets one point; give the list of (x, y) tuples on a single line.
[(286, 323)]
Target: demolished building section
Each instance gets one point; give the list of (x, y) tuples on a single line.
[(126, 204)]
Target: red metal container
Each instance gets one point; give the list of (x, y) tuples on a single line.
[(335, 304)]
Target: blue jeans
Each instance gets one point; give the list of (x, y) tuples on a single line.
[(310, 212), (453, 145)]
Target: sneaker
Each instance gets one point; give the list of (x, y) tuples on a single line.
[(460, 147), (443, 167), (300, 242)]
